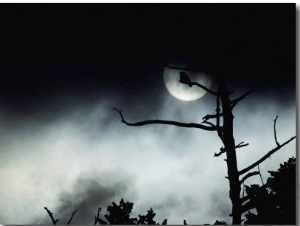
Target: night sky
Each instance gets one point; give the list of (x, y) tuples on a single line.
[(65, 66)]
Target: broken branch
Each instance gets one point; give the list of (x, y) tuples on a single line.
[(222, 150), (275, 131), (51, 216), (265, 156), (174, 123)]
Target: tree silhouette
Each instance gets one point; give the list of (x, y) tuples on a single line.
[(274, 201), (224, 127)]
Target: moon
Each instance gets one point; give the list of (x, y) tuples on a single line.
[(182, 91)]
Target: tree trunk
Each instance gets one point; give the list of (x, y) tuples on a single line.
[(229, 145)]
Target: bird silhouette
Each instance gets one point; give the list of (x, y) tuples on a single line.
[(184, 78), (164, 222)]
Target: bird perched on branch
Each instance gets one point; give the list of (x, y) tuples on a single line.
[(184, 78)]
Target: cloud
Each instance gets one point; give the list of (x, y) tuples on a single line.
[(84, 158), (86, 196)]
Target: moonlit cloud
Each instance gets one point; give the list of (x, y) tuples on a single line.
[(85, 159)]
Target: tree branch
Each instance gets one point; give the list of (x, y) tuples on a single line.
[(265, 156), (51, 216), (275, 131), (234, 102), (249, 175), (72, 216), (174, 123), (241, 145), (204, 87)]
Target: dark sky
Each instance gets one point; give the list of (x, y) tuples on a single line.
[(63, 47), (64, 66)]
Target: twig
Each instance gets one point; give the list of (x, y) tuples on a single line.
[(51, 216), (249, 175), (174, 123), (97, 217), (241, 145), (207, 117), (234, 102), (72, 216), (275, 131), (265, 156)]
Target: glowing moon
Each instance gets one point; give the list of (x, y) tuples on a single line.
[(183, 91)]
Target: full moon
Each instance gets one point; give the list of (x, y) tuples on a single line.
[(183, 91)]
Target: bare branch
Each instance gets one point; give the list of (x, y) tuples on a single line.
[(174, 123), (51, 216), (72, 216), (275, 131), (207, 117), (222, 150), (234, 102), (249, 175), (265, 156), (241, 145)]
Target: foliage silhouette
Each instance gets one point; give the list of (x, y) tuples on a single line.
[(275, 202), (120, 214)]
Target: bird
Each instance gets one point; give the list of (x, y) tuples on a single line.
[(184, 78), (164, 222)]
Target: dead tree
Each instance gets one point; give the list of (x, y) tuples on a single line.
[(224, 127)]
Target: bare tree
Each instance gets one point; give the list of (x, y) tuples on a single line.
[(224, 127)]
